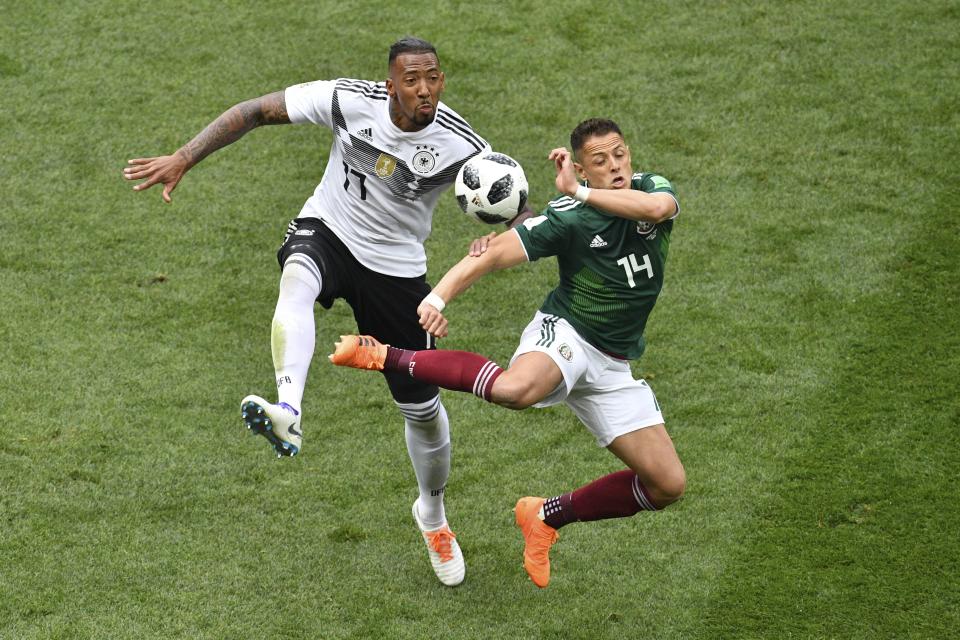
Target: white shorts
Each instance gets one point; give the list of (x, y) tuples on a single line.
[(599, 388)]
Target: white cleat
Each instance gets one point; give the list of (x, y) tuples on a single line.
[(445, 555), (278, 423)]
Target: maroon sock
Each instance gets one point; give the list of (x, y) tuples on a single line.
[(454, 370), (558, 511), (616, 495)]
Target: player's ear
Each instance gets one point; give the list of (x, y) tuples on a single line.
[(443, 81), (579, 170), (391, 91)]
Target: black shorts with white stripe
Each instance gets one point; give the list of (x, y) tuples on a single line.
[(384, 306)]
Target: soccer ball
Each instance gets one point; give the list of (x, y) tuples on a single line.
[(491, 188)]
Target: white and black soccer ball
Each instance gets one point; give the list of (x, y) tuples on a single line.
[(491, 187)]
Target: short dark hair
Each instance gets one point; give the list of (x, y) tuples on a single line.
[(409, 44), (590, 128)]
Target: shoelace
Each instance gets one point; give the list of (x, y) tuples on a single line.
[(440, 543)]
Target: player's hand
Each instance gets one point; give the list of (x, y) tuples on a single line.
[(559, 156), (566, 181), (165, 170), (432, 320), (479, 246)]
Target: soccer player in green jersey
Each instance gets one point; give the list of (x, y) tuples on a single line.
[(610, 231)]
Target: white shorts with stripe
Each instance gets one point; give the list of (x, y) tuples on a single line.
[(598, 388)]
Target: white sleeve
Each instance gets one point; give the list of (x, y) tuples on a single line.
[(311, 102)]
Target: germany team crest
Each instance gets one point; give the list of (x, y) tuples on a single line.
[(425, 159)]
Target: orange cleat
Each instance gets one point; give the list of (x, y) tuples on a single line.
[(359, 352), (538, 537)]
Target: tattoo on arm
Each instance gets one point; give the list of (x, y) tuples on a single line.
[(274, 108), (234, 123)]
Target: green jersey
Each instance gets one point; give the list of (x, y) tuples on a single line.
[(611, 268)]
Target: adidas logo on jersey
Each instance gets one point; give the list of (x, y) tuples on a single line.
[(367, 134), (597, 242)]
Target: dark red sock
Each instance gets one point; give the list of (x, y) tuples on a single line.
[(616, 495), (558, 511), (454, 370)]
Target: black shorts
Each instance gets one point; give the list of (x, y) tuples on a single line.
[(384, 307)]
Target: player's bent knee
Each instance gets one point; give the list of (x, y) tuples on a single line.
[(673, 485), (668, 487), (514, 393), (300, 279)]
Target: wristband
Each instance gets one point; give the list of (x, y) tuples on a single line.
[(435, 301), (583, 192)]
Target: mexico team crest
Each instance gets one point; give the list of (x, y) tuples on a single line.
[(565, 351), (647, 229), (385, 165)]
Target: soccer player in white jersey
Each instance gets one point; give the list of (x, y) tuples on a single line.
[(610, 236), (359, 237)]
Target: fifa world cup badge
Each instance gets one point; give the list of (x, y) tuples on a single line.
[(385, 165)]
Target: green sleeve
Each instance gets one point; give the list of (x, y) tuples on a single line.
[(544, 235), (653, 183)]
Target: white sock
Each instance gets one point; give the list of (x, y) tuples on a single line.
[(427, 432), (293, 337)]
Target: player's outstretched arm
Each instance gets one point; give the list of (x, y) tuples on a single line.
[(503, 252), (232, 124), (479, 245)]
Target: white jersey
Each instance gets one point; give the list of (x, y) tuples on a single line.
[(381, 184)]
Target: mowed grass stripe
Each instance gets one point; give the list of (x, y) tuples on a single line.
[(857, 537), (846, 495)]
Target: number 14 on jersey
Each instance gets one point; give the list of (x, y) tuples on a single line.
[(631, 266)]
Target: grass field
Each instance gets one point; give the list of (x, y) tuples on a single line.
[(806, 349)]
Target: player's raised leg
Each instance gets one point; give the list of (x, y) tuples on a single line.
[(532, 376), (292, 340), (450, 369)]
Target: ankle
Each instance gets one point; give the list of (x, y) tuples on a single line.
[(397, 359)]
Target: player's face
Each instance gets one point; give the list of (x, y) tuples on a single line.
[(604, 162), (414, 87)]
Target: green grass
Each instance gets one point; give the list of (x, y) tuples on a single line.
[(805, 349)]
